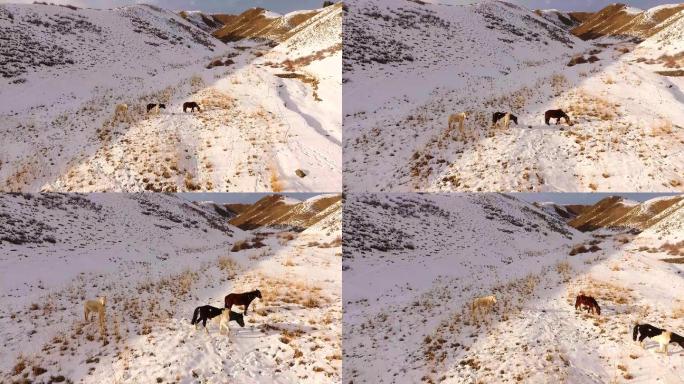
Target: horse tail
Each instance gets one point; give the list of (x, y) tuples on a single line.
[(635, 331), (195, 316)]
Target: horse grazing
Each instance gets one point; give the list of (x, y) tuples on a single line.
[(191, 105), (482, 305), (458, 118), (156, 107), (244, 299), (663, 337), (121, 111), (222, 315), (97, 306), (507, 118), (587, 302), (557, 114)]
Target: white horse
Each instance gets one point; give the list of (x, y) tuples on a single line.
[(97, 306), (458, 118), (482, 305), (121, 112)]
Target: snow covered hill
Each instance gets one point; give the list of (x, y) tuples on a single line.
[(565, 20), (494, 56), (270, 118), (156, 257), (206, 22), (411, 274)]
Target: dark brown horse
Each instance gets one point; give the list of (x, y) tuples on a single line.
[(191, 105), (587, 302), (557, 114), (244, 299)]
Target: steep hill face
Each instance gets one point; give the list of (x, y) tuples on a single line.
[(207, 23), (277, 211), (406, 262), (154, 219), (157, 257), (565, 212), (617, 212), (411, 275), (565, 20), (401, 87), (266, 115), (620, 20)]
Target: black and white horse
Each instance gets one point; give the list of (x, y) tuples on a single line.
[(207, 312), (191, 105), (496, 116), (663, 337), (156, 107), (557, 114)]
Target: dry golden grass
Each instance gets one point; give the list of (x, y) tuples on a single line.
[(678, 310), (276, 291), (276, 184), (607, 291), (591, 107), (661, 127), (227, 264), (565, 270)]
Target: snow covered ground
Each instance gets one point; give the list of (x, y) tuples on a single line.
[(408, 66), (157, 257), (260, 122), (413, 264)]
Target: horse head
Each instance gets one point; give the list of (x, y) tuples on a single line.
[(237, 317), (102, 300), (257, 293), (162, 106)]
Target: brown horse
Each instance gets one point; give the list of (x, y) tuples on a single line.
[(244, 299), (587, 302)]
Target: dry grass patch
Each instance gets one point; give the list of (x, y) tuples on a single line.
[(607, 291)]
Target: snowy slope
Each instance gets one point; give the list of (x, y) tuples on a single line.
[(565, 20), (409, 281), (493, 56), (157, 257), (207, 23), (256, 129)]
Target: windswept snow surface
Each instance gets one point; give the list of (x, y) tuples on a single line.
[(411, 274), (259, 121), (157, 257), (408, 66)]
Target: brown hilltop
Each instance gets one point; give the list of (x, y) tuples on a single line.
[(618, 20), (616, 212), (276, 212), (254, 24)]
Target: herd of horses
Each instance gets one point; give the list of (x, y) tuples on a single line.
[(485, 304), (201, 313), (504, 119), (121, 110)]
